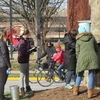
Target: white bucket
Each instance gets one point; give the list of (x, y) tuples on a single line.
[(14, 90)]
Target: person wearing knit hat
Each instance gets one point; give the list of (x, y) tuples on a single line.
[(86, 55), (81, 29), (48, 53)]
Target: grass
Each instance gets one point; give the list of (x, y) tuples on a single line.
[(17, 75), (8, 95), (14, 75), (15, 65)]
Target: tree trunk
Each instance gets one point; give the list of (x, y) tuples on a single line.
[(95, 18), (97, 76), (95, 29), (31, 28)]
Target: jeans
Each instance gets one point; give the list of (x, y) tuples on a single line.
[(60, 71), (90, 78), (48, 63), (70, 74)]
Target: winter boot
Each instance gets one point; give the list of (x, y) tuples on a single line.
[(22, 90), (90, 93), (75, 90), (28, 89)]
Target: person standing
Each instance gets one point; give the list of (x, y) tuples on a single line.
[(86, 53), (4, 63), (70, 56), (23, 60)]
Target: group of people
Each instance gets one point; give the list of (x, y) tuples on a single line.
[(80, 54), (24, 51)]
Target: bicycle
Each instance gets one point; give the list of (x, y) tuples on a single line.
[(33, 72), (47, 77)]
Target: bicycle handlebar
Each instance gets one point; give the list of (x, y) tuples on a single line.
[(38, 61)]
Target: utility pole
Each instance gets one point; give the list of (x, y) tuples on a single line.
[(11, 57), (37, 25)]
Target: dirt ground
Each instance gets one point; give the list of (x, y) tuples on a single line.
[(62, 93)]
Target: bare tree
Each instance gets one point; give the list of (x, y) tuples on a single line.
[(27, 10)]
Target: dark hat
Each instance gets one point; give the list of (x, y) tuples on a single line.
[(74, 32)]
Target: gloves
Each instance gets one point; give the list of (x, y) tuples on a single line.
[(34, 49), (37, 60)]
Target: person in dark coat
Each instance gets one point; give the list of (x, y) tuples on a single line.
[(49, 52), (4, 64), (24, 51), (69, 56)]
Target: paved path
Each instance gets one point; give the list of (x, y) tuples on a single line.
[(35, 86)]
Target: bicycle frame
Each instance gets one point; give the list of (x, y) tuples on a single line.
[(34, 71)]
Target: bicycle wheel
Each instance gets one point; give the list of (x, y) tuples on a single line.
[(33, 72), (44, 78), (56, 77)]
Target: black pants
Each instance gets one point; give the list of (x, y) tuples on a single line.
[(3, 79)]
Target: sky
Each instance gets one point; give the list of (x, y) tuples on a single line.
[(64, 5)]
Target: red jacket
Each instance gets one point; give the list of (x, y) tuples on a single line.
[(58, 56)]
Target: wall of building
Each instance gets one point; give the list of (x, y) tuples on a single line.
[(77, 10)]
